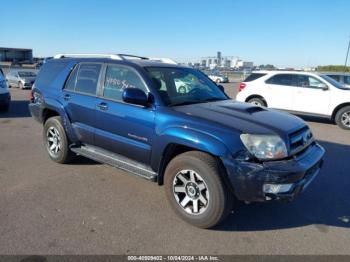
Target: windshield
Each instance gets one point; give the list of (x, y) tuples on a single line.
[(332, 81), (181, 86), (26, 74)]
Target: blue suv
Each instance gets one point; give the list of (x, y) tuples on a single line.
[(206, 149)]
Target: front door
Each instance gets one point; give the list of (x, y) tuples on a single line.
[(311, 96), (123, 128)]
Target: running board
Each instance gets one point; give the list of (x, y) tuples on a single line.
[(116, 160)]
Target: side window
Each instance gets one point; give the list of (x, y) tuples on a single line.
[(118, 78), (309, 82), (282, 79), (87, 78), (335, 77), (70, 84)]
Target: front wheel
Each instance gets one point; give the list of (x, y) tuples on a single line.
[(342, 118), (56, 141), (196, 190)]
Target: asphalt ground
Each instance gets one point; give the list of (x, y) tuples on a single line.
[(90, 208)]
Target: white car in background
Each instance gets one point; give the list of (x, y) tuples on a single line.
[(302, 93), (218, 78)]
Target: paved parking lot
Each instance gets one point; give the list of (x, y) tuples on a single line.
[(90, 208)]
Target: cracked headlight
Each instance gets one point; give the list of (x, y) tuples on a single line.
[(265, 147)]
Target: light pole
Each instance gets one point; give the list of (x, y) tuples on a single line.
[(347, 54)]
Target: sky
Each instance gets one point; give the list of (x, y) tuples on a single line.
[(285, 33)]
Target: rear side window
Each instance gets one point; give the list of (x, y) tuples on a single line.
[(84, 78), (253, 76), (49, 72), (282, 79)]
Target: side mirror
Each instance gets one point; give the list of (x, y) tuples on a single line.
[(221, 88), (135, 96), (323, 86)]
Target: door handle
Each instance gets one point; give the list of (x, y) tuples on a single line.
[(67, 97), (103, 106)]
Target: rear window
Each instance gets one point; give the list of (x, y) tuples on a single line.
[(253, 76), (49, 72)]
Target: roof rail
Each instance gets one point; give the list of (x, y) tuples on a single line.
[(163, 60), (125, 56), (111, 56)]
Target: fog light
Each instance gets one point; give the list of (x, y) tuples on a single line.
[(276, 188)]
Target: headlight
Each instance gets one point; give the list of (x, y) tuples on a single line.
[(265, 147)]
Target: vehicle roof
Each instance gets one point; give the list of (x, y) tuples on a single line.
[(139, 62), (334, 73), (285, 72)]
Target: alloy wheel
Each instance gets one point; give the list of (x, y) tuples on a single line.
[(345, 119), (191, 192), (53, 141)]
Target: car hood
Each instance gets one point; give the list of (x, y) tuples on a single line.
[(244, 117)]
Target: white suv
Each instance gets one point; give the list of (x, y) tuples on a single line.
[(298, 92)]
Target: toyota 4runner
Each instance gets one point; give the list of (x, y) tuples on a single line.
[(206, 149)]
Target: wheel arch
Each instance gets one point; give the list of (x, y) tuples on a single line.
[(256, 96), (174, 149), (335, 111)]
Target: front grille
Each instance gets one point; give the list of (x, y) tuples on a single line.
[(300, 139)]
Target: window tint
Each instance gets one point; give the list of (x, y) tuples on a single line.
[(253, 76), (87, 78), (70, 85), (48, 73), (335, 77), (118, 78), (282, 79), (309, 81)]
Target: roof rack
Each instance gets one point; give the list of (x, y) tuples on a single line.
[(111, 56), (116, 57), (163, 60), (133, 56)]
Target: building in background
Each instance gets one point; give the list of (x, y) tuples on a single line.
[(220, 61), (19, 55)]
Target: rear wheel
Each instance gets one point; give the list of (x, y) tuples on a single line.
[(56, 141), (342, 118), (257, 101), (195, 189)]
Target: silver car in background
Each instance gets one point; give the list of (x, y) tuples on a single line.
[(21, 78)]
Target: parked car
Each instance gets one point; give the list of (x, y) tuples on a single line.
[(301, 93), (5, 97), (206, 149), (342, 78), (21, 78), (218, 78)]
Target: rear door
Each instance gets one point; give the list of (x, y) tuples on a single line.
[(79, 96), (123, 128), (311, 96), (279, 91)]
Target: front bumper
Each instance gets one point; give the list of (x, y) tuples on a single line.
[(248, 179), (5, 98)]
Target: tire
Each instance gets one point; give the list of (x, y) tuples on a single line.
[(20, 85), (54, 133), (257, 101), (342, 118), (218, 80), (182, 90), (207, 186)]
